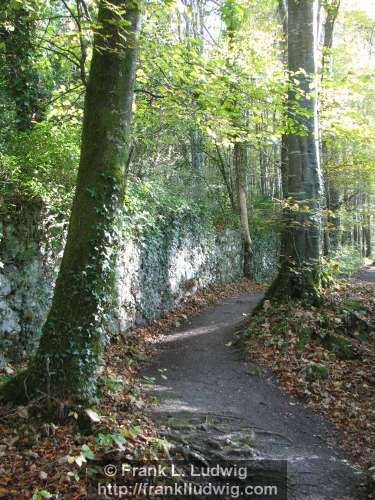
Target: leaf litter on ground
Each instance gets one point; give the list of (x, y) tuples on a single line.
[(42, 459), (297, 341)]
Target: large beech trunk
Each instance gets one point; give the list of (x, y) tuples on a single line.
[(66, 363), (299, 273)]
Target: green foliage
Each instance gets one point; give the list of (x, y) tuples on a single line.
[(349, 260), (151, 207), (113, 384), (330, 271), (107, 439), (347, 105), (87, 452), (41, 165), (210, 71), (41, 494)]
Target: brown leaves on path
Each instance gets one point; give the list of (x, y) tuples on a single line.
[(45, 458)]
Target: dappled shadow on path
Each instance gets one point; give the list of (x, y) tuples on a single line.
[(212, 400)]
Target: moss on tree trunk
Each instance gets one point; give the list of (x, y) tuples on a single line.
[(66, 362), (299, 273)]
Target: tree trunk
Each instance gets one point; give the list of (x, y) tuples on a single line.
[(301, 246), (332, 10), (240, 168), (331, 219), (227, 178), (367, 230), (73, 336), (367, 236), (239, 121), (283, 15), (197, 161)]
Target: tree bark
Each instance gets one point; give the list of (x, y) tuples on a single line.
[(239, 120), (73, 337), (299, 273), (367, 236), (332, 219), (332, 10), (239, 159)]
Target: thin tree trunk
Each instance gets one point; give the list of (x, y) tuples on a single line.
[(194, 27), (220, 162), (240, 168), (239, 122), (197, 161), (367, 236), (73, 336), (332, 10), (330, 219), (283, 15)]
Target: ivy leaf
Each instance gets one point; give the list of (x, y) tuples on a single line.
[(87, 453), (118, 439)]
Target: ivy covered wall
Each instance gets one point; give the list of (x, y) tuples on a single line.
[(158, 267)]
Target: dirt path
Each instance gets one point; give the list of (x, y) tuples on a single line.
[(214, 402), (367, 274)]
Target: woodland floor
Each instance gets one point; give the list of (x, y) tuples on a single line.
[(211, 397), (211, 403)]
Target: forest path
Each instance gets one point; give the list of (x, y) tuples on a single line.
[(367, 274), (210, 398)]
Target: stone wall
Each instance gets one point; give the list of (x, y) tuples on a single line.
[(31, 244), (155, 271)]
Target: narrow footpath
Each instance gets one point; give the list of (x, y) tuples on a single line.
[(216, 404)]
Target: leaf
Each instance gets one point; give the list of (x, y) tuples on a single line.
[(93, 416), (79, 460), (41, 494), (73, 474), (43, 475), (23, 412), (266, 305), (149, 380), (87, 452), (118, 439)]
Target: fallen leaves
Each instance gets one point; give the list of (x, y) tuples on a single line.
[(41, 458), (293, 340), (93, 416)]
